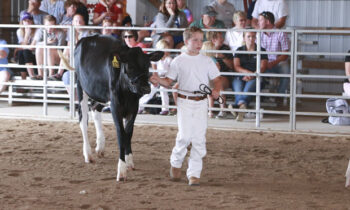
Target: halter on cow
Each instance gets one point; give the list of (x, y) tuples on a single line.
[(122, 84)]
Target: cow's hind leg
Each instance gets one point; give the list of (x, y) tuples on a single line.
[(84, 110), (100, 138)]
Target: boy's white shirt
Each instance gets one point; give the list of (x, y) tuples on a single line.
[(192, 71)]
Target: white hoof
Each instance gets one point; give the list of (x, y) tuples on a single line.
[(100, 147), (347, 175), (122, 169), (88, 155), (129, 162)]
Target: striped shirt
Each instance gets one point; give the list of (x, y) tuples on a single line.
[(274, 42)]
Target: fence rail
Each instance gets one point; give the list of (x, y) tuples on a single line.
[(294, 76)]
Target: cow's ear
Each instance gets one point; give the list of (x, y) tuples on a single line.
[(156, 56)]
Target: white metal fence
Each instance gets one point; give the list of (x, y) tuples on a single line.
[(294, 76)]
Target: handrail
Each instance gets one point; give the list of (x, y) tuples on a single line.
[(293, 52)]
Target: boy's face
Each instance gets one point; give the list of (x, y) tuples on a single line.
[(194, 44), (49, 23)]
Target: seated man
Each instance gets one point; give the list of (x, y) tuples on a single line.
[(208, 20), (275, 42), (278, 8), (225, 11)]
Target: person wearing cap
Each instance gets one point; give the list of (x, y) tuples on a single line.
[(208, 20), (169, 16), (225, 11), (33, 9), (25, 36), (275, 42), (279, 8)]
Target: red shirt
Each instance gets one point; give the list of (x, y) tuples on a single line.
[(99, 9)]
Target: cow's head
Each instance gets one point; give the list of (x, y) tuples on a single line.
[(135, 64)]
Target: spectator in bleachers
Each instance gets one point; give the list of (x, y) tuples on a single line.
[(70, 6), (169, 16), (225, 11), (347, 66), (111, 10), (275, 42), (126, 19), (278, 8), (233, 38), (83, 10), (250, 12), (55, 37), (130, 39), (224, 62), (162, 66), (246, 63), (25, 36), (53, 7), (181, 4), (4, 72), (208, 20), (105, 31), (33, 9)]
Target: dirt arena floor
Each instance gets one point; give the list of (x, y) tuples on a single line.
[(42, 167)]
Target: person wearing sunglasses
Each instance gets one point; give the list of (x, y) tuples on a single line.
[(130, 39), (278, 8)]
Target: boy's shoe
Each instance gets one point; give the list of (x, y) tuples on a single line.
[(193, 181), (164, 112), (241, 114), (172, 111), (140, 111), (221, 115), (175, 174)]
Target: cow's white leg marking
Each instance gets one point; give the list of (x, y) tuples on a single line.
[(83, 126), (100, 138), (347, 175), (129, 162), (122, 169)]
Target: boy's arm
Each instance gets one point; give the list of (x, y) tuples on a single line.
[(166, 82), (217, 87)]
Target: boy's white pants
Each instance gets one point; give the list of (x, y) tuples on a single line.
[(192, 123), (163, 94)]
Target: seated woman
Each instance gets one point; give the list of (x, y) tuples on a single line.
[(224, 62), (70, 6), (246, 63), (25, 56), (130, 39), (169, 16), (234, 38), (4, 72)]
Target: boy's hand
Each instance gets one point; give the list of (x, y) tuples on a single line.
[(215, 93), (154, 79)]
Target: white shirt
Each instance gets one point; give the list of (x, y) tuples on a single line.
[(225, 12), (234, 39), (279, 8), (192, 71), (163, 65)]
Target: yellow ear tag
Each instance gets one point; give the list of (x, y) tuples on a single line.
[(115, 63)]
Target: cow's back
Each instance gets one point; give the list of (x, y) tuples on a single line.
[(93, 65)]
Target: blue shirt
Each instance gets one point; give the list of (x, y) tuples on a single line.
[(3, 60)]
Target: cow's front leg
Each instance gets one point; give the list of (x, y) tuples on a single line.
[(84, 109), (100, 138), (119, 126), (129, 129)]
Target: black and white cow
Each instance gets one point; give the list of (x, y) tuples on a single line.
[(107, 71)]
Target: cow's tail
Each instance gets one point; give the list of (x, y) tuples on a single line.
[(65, 61)]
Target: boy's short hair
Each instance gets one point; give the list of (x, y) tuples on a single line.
[(162, 44), (190, 31), (107, 20), (210, 35), (239, 14), (50, 18)]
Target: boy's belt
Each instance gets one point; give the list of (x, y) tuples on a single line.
[(195, 98)]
